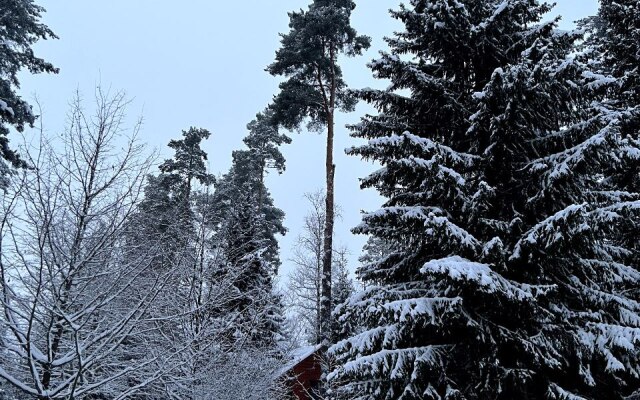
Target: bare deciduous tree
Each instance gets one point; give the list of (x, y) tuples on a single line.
[(92, 305), (305, 281), (65, 269)]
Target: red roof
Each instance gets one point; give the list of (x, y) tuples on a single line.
[(303, 373)]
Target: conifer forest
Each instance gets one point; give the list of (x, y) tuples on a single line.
[(501, 260)]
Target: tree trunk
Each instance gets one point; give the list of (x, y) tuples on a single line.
[(325, 312), (260, 188)]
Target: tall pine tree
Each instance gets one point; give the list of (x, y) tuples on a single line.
[(314, 90), (500, 281)]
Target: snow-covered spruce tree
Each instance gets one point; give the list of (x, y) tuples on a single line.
[(501, 281), (242, 224), (560, 180), (21, 29), (613, 49), (246, 222), (614, 46), (314, 90), (342, 287)]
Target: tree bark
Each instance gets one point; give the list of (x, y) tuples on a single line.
[(330, 169), (325, 304), (263, 164)]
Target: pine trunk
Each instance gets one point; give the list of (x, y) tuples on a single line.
[(261, 187), (325, 306)]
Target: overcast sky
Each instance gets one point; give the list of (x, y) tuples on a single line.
[(201, 63)]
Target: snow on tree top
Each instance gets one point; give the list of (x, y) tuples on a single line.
[(5, 107)]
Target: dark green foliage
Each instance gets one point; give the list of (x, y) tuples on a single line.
[(342, 288), (613, 49), (308, 59), (499, 281), (615, 46), (165, 215), (250, 225), (264, 141), (246, 223), (188, 163), (21, 29)]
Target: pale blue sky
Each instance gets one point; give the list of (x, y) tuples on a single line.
[(201, 63)]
